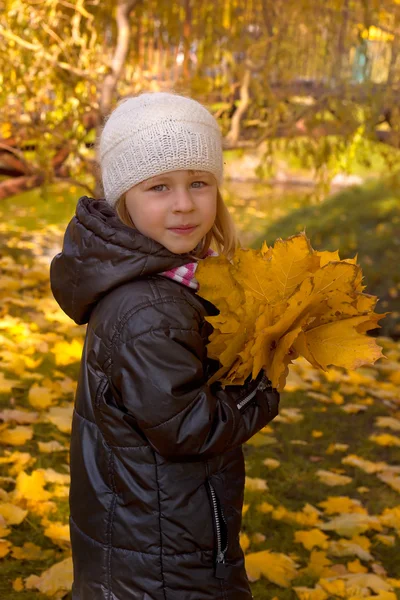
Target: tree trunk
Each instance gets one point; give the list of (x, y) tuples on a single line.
[(124, 9), (337, 68), (187, 34), (17, 185), (234, 132)]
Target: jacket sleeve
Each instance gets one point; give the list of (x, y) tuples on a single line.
[(159, 376)]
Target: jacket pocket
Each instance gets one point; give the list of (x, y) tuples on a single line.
[(220, 532)]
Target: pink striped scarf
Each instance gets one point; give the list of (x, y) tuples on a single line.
[(185, 273)]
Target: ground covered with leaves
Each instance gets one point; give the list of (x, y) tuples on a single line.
[(322, 502)]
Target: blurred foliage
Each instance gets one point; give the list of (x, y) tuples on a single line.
[(362, 221), (281, 69)]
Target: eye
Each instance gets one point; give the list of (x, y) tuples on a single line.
[(158, 188), (198, 184)]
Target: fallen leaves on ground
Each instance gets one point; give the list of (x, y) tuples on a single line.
[(321, 518)]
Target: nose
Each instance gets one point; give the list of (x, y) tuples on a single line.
[(183, 201)]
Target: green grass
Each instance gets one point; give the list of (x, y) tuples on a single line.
[(362, 220), (293, 483)]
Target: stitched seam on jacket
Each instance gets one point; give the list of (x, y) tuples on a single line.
[(85, 418), (118, 549), (133, 311), (159, 525), (110, 519), (174, 417), (156, 330)]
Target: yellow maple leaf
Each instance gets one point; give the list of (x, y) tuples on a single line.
[(318, 566), (58, 532), (31, 551), (31, 487), (61, 417), (311, 538), (277, 567), (40, 396), (5, 547), (344, 547), (305, 593), (352, 524), (244, 541), (278, 303), (14, 515), (16, 436), (341, 504), (53, 581), (255, 484), (332, 479), (68, 353), (6, 385), (385, 439)]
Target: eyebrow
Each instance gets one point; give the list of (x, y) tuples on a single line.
[(166, 175)]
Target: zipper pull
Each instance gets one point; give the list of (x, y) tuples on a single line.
[(264, 384), (220, 567)]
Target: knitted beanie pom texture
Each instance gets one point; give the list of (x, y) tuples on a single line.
[(155, 133)]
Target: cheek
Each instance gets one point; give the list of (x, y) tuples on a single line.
[(148, 214)]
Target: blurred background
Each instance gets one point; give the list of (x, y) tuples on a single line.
[(306, 93), (307, 96)]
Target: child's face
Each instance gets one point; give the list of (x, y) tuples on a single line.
[(172, 200)]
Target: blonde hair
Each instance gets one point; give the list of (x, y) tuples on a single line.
[(222, 237)]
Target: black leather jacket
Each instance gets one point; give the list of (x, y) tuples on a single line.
[(157, 469)]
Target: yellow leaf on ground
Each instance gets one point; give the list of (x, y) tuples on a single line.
[(356, 567), (341, 504), (68, 353), (352, 524), (389, 422), (278, 568), (31, 551), (336, 448), (50, 447), (31, 487), (388, 540), (244, 541), (61, 417), (54, 581), (304, 593), (41, 397), (318, 566), (14, 515), (390, 479), (18, 585), (5, 547), (17, 436), (271, 463), (6, 385), (311, 538), (57, 532), (332, 479), (385, 439), (22, 417), (366, 465), (255, 484)]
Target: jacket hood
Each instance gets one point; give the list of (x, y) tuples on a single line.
[(101, 253)]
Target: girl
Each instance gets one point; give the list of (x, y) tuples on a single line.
[(157, 469)]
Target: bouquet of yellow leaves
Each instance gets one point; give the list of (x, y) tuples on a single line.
[(278, 303)]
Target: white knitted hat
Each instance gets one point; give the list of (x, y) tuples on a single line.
[(154, 133)]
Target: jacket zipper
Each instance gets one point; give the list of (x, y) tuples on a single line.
[(263, 385), (220, 558)]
